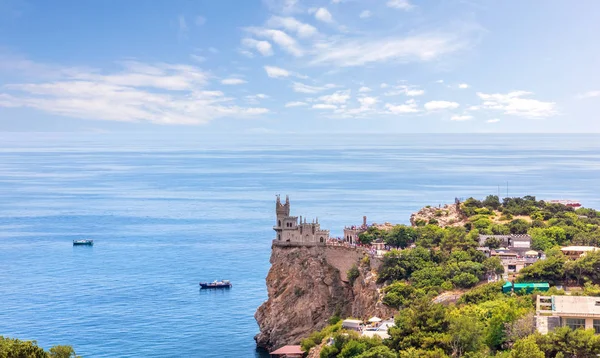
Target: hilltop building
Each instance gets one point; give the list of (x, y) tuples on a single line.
[(290, 232), (351, 232), (575, 252), (515, 251), (571, 311)]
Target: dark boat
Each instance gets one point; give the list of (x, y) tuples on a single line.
[(216, 284), (83, 242)]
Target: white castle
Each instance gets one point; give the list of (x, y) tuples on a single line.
[(290, 232)]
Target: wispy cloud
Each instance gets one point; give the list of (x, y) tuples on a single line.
[(413, 48), (339, 97), (461, 117), (183, 27), (463, 86), (400, 4), (365, 14), (276, 72), (324, 106), (440, 105), (233, 81), (263, 47), (589, 94), (364, 89), (493, 120), (410, 91), (295, 104), (304, 88), (159, 93), (409, 106), (283, 40), (513, 103), (301, 29)]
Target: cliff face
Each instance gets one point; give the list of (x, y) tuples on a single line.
[(307, 286)]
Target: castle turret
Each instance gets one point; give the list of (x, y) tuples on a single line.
[(290, 232)]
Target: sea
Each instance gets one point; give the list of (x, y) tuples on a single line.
[(166, 214)]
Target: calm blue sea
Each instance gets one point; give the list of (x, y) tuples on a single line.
[(166, 215)]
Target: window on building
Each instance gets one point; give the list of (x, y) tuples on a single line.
[(575, 323), (597, 326), (279, 223), (321, 239)]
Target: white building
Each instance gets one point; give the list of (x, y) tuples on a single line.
[(571, 311)]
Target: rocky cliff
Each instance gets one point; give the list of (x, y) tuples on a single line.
[(309, 285)]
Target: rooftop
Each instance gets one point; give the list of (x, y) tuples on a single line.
[(288, 351), (579, 248), (576, 305)]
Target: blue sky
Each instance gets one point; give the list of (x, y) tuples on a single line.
[(299, 66)]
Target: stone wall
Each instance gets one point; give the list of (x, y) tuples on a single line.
[(343, 258)]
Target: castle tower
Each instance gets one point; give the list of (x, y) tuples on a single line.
[(289, 232)]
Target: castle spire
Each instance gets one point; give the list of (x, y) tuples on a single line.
[(287, 200), (278, 199)]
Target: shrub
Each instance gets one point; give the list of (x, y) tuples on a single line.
[(353, 274)]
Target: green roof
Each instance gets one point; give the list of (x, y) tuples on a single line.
[(531, 284), (507, 284)]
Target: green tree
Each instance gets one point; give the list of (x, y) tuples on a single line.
[(429, 235), (401, 236), (15, 348), (465, 334), (352, 349), (465, 280), (492, 202), (378, 352), (492, 242), (526, 348), (518, 226), (493, 265), (63, 352)]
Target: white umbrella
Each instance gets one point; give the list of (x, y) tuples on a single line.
[(374, 319)]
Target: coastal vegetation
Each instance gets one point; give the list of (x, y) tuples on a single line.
[(15, 348), (427, 259)]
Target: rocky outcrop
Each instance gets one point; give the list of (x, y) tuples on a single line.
[(447, 215), (309, 285)]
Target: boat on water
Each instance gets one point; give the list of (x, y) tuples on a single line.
[(83, 242), (216, 284)]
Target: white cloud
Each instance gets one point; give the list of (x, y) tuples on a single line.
[(198, 58), (414, 48), (324, 106), (415, 92), (463, 86), (291, 24), (233, 81), (322, 14), (473, 108), (339, 97), (439, 81), (303, 88), (200, 20), (493, 120), (400, 4), (364, 89), (276, 72), (367, 102), (246, 53), (263, 47), (589, 94), (295, 104), (283, 40), (255, 99), (512, 103), (282, 6), (365, 14), (440, 105), (159, 93), (405, 90), (384, 85), (409, 106), (461, 117)]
